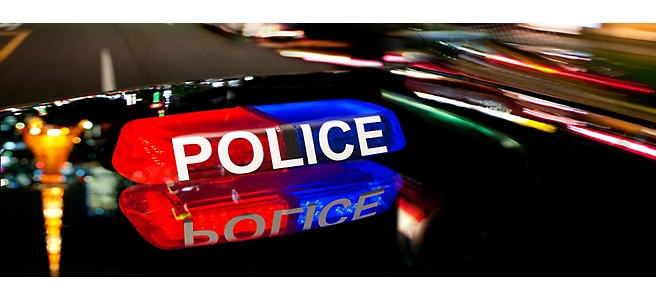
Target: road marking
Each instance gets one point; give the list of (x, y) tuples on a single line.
[(107, 80), (10, 26), (20, 36)]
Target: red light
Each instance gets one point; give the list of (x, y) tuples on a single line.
[(414, 205), (586, 77), (235, 141), (206, 212), (40, 165), (617, 141), (145, 151), (156, 105), (434, 67), (159, 215)]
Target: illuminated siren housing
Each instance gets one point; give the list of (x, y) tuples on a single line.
[(210, 211), (251, 139)]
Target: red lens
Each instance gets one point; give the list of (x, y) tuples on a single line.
[(145, 151)]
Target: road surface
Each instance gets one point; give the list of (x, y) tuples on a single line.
[(43, 62)]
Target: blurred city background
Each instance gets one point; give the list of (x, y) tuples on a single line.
[(41, 62)]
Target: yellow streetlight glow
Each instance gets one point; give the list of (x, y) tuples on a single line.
[(51, 146)]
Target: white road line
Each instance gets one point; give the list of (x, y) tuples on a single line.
[(107, 80)]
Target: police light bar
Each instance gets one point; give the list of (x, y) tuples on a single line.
[(211, 211), (243, 140)]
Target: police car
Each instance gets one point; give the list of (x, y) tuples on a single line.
[(426, 169)]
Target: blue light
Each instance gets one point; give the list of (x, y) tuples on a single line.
[(316, 113), (357, 178), (79, 173), (324, 110)]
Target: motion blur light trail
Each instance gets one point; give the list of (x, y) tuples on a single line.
[(586, 77), (502, 115), (331, 59), (616, 141)]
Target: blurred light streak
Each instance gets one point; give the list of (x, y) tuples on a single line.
[(617, 141), (444, 116), (433, 67), (567, 28), (332, 59), (472, 51), (506, 116), (648, 131), (296, 54), (416, 74), (585, 77), (566, 56), (555, 118), (396, 58), (281, 33), (543, 102), (266, 30)]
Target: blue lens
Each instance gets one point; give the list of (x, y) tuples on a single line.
[(316, 113), (356, 180)]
